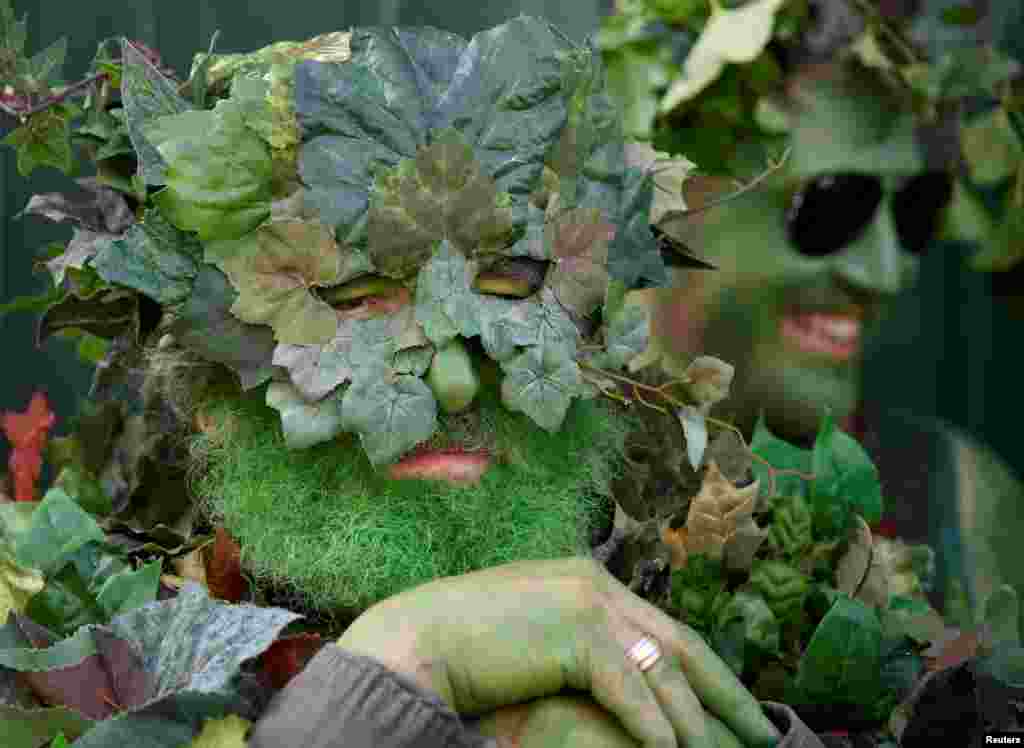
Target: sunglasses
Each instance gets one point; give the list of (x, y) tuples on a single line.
[(830, 211)]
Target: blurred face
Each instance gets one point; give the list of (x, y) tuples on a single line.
[(808, 265)]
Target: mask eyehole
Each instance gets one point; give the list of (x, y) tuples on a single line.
[(917, 209)]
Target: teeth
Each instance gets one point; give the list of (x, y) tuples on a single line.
[(841, 328)]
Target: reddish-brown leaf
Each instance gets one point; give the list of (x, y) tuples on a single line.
[(99, 686), (287, 656), (224, 569), (27, 434)]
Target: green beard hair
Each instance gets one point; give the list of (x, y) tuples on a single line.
[(323, 522)]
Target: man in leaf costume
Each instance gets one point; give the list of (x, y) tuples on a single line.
[(809, 261)]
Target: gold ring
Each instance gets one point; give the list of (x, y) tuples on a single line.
[(645, 653)]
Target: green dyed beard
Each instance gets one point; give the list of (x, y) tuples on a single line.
[(345, 537)]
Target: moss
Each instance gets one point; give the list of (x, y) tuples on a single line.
[(323, 521)]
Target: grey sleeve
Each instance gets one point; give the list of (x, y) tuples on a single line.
[(342, 698)]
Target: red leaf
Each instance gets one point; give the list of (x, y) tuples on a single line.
[(27, 433), (224, 569), (97, 687), (452, 465), (286, 658)]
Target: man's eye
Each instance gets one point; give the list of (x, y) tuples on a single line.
[(830, 211), (917, 209)]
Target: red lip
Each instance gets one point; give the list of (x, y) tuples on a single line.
[(452, 465), (833, 333)]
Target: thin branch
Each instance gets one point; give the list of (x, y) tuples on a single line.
[(771, 169)]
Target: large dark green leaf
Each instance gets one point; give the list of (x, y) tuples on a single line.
[(845, 480), (154, 258), (634, 257), (206, 325), (401, 87), (781, 455), (147, 95), (541, 382), (842, 661), (59, 528)]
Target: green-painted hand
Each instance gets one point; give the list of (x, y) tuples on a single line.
[(528, 629)]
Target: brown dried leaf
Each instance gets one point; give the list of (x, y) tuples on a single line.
[(716, 511)]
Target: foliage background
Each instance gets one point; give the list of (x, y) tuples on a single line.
[(948, 337)]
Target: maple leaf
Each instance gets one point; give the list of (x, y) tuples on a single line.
[(27, 434), (286, 658)]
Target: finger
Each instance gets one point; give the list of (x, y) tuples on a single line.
[(712, 680), (724, 737), (679, 703), (618, 685)]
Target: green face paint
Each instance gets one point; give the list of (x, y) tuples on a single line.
[(794, 322)]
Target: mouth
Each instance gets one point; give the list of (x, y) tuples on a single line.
[(835, 333)]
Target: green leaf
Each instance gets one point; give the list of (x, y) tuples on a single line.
[(153, 258), (218, 172), (205, 325), (129, 589), (634, 257), (305, 423), (634, 74), (33, 726), (441, 194), (695, 588), (148, 95), (503, 91), (446, 305), (274, 275), (912, 617), (391, 413), (628, 334), (845, 482), (782, 586), (59, 528), (842, 661), (541, 382), (86, 489), (990, 148), (45, 140), (198, 76), (790, 529), (781, 455), (745, 625), (109, 314), (555, 328), (507, 324)]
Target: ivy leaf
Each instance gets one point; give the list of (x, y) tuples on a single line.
[(634, 257), (846, 481), (736, 36), (507, 325), (445, 301), (555, 328), (45, 140), (669, 173), (218, 172), (305, 423), (696, 430), (391, 413), (205, 325), (579, 245), (628, 335), (441, 194), (147, 95), (153, 258), (281, 261), (541, 382), (317, 369)]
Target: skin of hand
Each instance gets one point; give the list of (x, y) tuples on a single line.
[(528, 629), (573, 720)]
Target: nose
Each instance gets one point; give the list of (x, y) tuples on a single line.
[(875, 262)]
